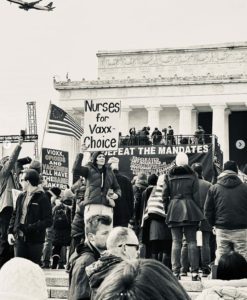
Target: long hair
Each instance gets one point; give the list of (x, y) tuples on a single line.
[(145, 279)]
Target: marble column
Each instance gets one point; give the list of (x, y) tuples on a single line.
[(153, 117), (185, 119), (221, 127), (194, 121), (124, 120)]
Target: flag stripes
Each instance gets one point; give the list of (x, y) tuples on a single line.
[(62, 123)]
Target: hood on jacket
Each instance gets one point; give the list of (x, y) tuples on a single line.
[(229, 179), (181, 170), (98, 270)]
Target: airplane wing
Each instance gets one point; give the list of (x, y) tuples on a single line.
[(31, 4), (17, 1)]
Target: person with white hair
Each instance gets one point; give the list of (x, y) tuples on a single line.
[(21, 279), (182, 203)]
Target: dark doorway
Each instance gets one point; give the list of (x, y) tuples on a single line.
[(238, 137), (205, 120)]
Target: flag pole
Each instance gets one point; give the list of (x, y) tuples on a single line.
[(44, 131)]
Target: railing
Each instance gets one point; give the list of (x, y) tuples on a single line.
[(137, 140)]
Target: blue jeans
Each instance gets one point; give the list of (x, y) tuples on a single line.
[(177, 238), (204, 253), (228, 240)]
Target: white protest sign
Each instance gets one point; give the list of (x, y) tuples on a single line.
[(101, 124)]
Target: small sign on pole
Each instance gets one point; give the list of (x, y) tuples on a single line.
[(101, 124), (55, 167)]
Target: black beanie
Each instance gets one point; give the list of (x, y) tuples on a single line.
[(152, 179), (56, 191), (230, 165)]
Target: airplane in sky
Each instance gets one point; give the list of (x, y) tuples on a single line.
[(32, 5)]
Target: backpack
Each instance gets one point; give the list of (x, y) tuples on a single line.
[(60, 220)]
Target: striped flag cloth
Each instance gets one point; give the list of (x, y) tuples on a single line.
[(62, 123)]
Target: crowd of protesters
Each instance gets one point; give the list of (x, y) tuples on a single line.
[(115, 237), (164, 137)]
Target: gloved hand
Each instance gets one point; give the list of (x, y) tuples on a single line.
[(11, 239)]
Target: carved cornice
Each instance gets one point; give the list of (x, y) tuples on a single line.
[(158, 81), (173, 58)]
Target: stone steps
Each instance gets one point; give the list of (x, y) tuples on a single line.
[(58, 280)]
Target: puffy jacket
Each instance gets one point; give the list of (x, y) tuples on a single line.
[(181, 197), (226, 203), (38, 218), (84, 256), (94, 194)]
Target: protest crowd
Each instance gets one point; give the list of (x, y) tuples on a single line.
[(123, 238)]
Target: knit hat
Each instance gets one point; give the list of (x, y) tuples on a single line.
[(152, 179), (182, 159), (230, 165), (68, 194), (21, 279), (95, 155), (197, 167), (35, 165), (56, 191), (114, 162)]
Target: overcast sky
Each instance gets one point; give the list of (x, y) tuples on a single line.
[(36, 45)]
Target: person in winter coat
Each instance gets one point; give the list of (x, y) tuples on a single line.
[(102, 188), (226, 209), (143, 279), (30, 218), (52, 194), (122, 244), (77, 215), (124, 206), (97, 230), (159, 235), (61, 231), (139, 187), (182, 202), (231, 280), (8, 181)]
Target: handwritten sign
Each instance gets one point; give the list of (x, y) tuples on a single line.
[(55, 167), (101, 124)]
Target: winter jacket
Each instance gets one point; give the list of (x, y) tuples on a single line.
[(224, 289), (96, 191), (154, 217), (181, 197), (77, 226), (204, 186), (98, 270), (7, 180), (84, 256), (62, 236), (124, 206), (38, 217), (138, 189), (226, 203)]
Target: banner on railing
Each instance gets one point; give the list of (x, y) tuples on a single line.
[(160, 159)]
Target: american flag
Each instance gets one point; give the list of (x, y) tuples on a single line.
[(62, 123)]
